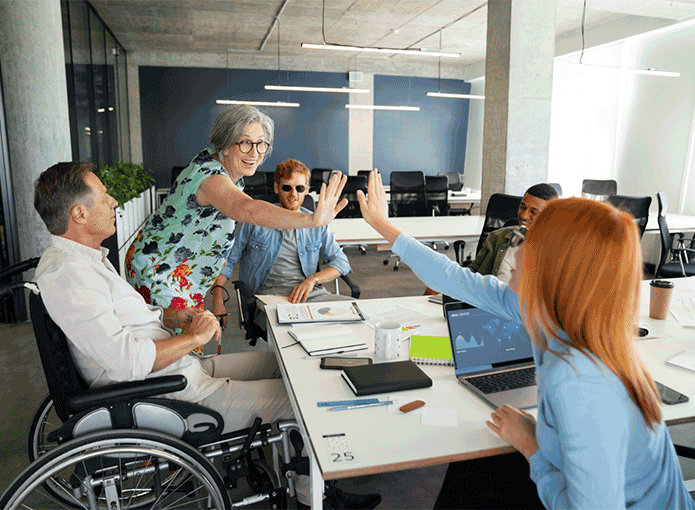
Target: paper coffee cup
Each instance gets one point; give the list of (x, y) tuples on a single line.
[(387, 340), (659, 298)]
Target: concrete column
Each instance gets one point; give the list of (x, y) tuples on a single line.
[(36, 105), (361, 126), (518, 88)]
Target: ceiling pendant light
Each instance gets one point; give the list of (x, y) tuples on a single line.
[(382, 107), (452, 95), (257, 103), (345, 90), (602, 67), (419, 52)]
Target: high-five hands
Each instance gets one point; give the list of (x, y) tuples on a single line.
[(328, 205)]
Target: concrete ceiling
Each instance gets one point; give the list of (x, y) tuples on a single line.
[(247, 26)]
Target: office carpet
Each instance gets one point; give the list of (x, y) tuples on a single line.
[(22, 387)]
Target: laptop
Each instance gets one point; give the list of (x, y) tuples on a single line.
[(492, 356)]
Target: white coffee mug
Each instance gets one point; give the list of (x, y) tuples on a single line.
[(387, 340)]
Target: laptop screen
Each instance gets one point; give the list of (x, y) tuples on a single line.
[(481, 340)]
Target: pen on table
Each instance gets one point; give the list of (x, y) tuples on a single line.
[(361, 406)]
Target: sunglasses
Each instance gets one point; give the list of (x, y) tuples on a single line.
[(518, 237), (288, 187)]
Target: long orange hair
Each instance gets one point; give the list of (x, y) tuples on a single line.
[(582, 267)]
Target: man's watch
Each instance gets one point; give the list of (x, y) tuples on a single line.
[(317, 280)]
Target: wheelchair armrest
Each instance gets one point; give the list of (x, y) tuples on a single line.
[(125, 391), (355, 290)]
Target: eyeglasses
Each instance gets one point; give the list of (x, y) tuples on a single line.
[(246, 146), (288, 187), (518, 237)]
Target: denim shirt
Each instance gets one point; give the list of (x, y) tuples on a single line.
[(256, 249), (594, 448)]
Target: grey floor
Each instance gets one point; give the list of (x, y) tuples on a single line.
[(22, 387)]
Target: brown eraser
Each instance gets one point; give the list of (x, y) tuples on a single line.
[(411, 406)]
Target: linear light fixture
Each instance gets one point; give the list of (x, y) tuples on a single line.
[(377, 107), (420, 52), (345, 90), (257, 103), (650, 72), (455, 96)]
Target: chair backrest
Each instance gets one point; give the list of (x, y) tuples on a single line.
[(353, 183), (557, 187), (437, 194), (255, 185), (599, 190), (455, 180), (638, 207), (364, 172), (318, 177), (664, 235), (407, 194), (62, 376), (500, 209)]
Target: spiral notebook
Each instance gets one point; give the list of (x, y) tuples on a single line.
[(431, 350)]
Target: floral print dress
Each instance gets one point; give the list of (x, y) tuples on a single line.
[(179, 252)]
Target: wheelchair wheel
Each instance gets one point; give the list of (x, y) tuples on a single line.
[(44, 422), (120, 469), (262, 478)]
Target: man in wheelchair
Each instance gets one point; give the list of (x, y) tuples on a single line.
[(114, 336)]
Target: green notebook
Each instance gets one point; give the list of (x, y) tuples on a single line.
[(431, 350)]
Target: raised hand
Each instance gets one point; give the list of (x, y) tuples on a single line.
[(375, 205), (328, 205)]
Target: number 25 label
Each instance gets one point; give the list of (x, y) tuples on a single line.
[(342, 457)]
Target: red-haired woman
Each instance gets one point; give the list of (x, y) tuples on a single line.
[(599, 440)]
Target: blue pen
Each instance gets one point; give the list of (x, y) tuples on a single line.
[(339, 403), (375, 404)]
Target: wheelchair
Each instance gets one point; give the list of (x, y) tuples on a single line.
[(121, 447)]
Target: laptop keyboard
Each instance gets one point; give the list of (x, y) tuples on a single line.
[(503, 381)]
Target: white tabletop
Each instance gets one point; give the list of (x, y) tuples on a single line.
[(675, 222), (365, 441), (422, 228)]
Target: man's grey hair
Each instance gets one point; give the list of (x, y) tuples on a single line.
[(230, 125)]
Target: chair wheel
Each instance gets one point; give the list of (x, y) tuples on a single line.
[(386, 262), (395, 268), (262, 479)]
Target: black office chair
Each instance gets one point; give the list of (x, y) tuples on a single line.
[(256, 185), (364, 173), (557, 187), (674, 261), (246, 300), (318, 177), (116, 446), (437, 195), (599, 190), (501, 208), (175, 171), (638, 207), (454, 179)]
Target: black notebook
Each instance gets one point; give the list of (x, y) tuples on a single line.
[(385, 377)]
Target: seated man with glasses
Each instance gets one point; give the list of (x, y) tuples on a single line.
[(284, 262), (496, 257)]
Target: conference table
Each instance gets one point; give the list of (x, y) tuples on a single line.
[(451, 426), (355, 231)]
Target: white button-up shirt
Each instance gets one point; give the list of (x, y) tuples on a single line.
[(110, 328)]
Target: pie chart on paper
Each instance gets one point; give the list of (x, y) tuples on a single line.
[(328, 311)]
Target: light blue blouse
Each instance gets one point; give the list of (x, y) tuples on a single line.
[(595, 449)]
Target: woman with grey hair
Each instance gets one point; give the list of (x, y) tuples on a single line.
[(177, 255)]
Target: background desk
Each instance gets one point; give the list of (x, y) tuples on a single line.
[(355, 231), (377, 440)]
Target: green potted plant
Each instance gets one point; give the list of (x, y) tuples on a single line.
[(124, 181)]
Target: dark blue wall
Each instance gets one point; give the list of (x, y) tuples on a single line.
[(432, 140), (178, 108)]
